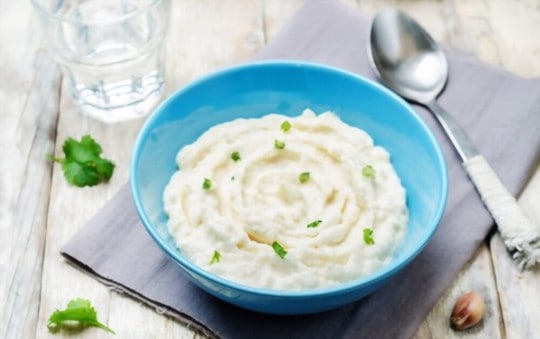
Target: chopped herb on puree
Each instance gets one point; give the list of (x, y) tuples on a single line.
[(279, 144), (314, 224), (286, 217), (368, 171), (285, 126), (235, 156), (216, 257), (303, 177), (207, 184), (279, 249), (368, 236)]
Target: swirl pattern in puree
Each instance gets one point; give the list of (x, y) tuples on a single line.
[(319, 189)]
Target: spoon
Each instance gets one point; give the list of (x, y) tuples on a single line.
[(409, 61)]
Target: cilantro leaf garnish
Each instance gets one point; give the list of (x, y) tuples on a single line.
[(368, 171), (314, 224), (216, 257), (279, 249), (207, 184), (279, 144), (78, 314), (83, 164), (368, 236), (235, 156), (303, 177), (285, 126)]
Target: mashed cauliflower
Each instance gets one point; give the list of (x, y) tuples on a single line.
[(286, 203)]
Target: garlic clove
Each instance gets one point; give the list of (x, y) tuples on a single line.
[(468, 311)]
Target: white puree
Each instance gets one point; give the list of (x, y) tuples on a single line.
[(259, 199)]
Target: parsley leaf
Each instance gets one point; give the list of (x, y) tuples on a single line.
[(83, 164), (285, 126), (235, 156), (368, 171), (78, 314), (207, 184), (279, 249), (303, 177), (215, 258), (368, 236), (279, 144), (314, 224)]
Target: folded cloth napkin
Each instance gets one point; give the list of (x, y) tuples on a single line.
[(499, 111)]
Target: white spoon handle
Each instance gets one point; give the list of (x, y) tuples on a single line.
[(519, 234)]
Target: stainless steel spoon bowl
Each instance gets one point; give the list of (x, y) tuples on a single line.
[(409, 61), (406, 57)]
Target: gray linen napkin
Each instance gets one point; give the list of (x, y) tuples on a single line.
[(499, 111)]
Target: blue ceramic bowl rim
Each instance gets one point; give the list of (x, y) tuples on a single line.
[(381, 274)]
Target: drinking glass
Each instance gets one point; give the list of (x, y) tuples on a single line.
[(111, 52)]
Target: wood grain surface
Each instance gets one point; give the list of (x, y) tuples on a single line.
[(39, 211)]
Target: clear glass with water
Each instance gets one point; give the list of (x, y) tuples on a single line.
[(111, 52)]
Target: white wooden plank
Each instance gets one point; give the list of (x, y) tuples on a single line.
[(28, 98), (208, 34), (472, 30), (476, 276), (69, 209), (205, 35), (506, 40), (500, 32), (133, 319), (516, 29), (225, 33), (443, 23), (430, 14), (519, 292), (278, 12)]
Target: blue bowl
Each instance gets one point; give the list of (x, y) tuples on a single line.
[(288, 87)]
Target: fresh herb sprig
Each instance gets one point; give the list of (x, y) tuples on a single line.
[(82, 163), (78, 314)]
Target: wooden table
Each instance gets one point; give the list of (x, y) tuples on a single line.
[(39, 212)]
